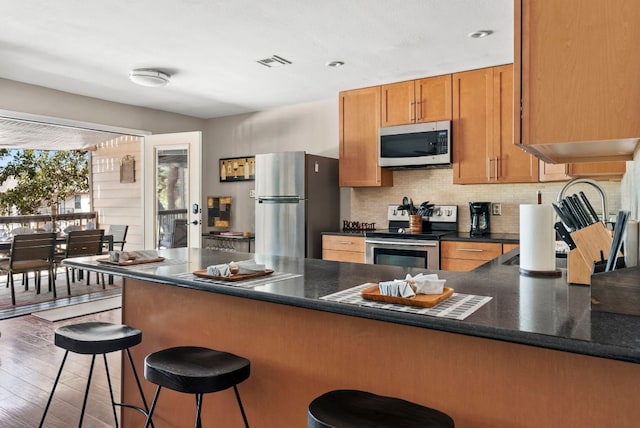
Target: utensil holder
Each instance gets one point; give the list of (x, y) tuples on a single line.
[(415, 223), (592, 244)]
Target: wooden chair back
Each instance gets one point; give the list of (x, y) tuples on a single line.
[(32, 247), (84, 243)]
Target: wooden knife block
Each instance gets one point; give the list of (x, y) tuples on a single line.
[(592, 242)]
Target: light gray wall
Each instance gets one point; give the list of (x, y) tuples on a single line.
[(24, 98), (312, 127)]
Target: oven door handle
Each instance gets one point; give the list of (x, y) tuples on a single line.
[(403, 244)]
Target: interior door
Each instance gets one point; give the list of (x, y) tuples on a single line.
[(172, 206)]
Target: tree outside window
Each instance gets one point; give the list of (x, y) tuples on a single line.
[(36, 178)]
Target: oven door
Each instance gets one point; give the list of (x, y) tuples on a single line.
[(403, 252)]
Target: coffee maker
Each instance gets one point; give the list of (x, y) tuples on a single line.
[(479, 218)]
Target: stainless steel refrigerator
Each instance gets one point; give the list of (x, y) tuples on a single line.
[(297, 198)]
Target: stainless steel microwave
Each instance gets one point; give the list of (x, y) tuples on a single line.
[(420, 144)]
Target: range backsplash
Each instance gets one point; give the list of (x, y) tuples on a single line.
[(435, 185)]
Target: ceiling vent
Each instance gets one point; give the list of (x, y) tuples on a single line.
[(274, 61)]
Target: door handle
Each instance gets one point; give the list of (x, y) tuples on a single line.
[(195, 222)]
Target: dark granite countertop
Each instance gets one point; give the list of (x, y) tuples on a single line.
[(546, 313), (347, 233), (511, 238)]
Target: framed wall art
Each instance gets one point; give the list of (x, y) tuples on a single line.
[(219, 211), (237, 169)]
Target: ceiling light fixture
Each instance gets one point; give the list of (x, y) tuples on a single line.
[(480, 34), (149, 77), (335, 64)]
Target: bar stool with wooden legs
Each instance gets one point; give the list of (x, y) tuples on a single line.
[(95, 338), (198, 371), (359, 409)]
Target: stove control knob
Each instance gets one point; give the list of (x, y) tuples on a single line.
[(447, 212), (438, 212)]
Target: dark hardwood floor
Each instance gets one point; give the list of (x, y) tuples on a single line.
[(29, 362)]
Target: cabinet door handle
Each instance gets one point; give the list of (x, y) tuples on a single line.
[(418, 110), (412, 111), (470, 250), (496, 167), (488, 169), (344, 242)]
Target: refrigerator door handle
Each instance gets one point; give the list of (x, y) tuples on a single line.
[(279, 199)]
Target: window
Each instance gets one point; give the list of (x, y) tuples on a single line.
[(77, 202)]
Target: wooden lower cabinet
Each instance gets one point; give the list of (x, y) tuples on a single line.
[(508, 247), (464, 256), (343, 248)]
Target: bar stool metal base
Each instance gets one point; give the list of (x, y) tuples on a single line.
[(95, 338), (198, 371)]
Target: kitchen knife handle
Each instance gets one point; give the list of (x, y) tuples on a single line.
[(575, 225), (575, 212), (587, 204), (583, 211)]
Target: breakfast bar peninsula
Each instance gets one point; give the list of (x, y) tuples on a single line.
[(533, 355)]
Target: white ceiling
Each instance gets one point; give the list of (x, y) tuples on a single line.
[(211, 47)]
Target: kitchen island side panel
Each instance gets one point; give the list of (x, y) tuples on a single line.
[(297, 354)]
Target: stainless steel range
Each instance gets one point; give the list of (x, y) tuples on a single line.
[(400, 247)]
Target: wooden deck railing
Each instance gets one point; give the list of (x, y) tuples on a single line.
[(46, 221)]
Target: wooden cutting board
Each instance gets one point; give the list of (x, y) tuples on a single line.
[(235, 277), (131, 262), (421, 300)]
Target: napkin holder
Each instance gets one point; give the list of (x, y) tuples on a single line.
[(593, 243)]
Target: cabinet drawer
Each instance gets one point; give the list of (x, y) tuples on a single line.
[(343, 243), (460, 265), (343, 256), (508, 247), (470, 250)]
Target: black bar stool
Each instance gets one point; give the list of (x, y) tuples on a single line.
[(359, 409), (94, 338), (195, 370)]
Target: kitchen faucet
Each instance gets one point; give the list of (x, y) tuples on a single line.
[(603, 198)]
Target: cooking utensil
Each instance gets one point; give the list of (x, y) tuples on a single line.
[(563, 217), (587, 204), (581, 222), (564, 234), (586, 215), (573, 222), (616, 244)]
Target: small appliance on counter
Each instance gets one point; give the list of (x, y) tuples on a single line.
[(480, 223)]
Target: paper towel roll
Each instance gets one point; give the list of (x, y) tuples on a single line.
[(537, 239)]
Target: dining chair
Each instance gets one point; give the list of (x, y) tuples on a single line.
[(119, 234), (81, 243), (30, 253), (22, 231)]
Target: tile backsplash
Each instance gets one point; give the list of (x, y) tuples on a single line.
[(435, 185)]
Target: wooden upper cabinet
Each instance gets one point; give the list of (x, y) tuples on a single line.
[(416, 101), (580, 78), (564, 172), (359, 117), (472, 125), (483, 130), (512, 164)]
